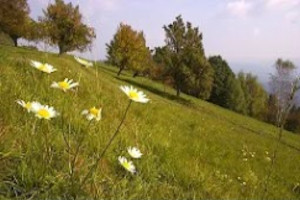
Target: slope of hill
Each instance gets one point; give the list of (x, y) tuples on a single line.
[(191, 149)]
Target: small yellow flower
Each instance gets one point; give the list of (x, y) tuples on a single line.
[(134, 94), (65, 85), (93, 113), (127, 164), (83, 62), (44, 67), (134, 152), (45, 112)]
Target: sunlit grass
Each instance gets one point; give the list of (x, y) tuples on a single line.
[(191, 148)]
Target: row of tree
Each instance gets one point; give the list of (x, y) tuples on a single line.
[(182, 64), (61, 25)]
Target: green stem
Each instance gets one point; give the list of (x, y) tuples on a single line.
[(94, 167)]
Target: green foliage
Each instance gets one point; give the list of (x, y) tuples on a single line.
[(14, 18), (293, 120), (128, 50), (184, 59), (255, 95), (64, 27)]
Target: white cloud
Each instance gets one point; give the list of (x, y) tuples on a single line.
[(239, 8), (282, 3)]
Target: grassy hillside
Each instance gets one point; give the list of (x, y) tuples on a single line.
[(192, 149)]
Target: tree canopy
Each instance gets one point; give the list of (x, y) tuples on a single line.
[(255, 95), (184, 59), (65, 28), (14, 19), (128, 49)]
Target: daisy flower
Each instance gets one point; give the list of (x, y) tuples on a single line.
[(93, 113), (44, 111), (44, 67), (134, 94), (29, 106), (83, 62), (127, 164), (26, 105), (65, 85), (134, 152)]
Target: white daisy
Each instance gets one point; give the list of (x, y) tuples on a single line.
[(44, 67), (83, 62), (29, 106), (26, 105), (44, 112), (134, 152), (127, 164), (134, 94), (65, 85), (93, 113)]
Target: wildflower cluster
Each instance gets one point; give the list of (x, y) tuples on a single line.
[(128, 165), (94, 113), (247, 155), (40, 111)]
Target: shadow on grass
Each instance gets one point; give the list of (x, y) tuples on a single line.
[(180, 100)]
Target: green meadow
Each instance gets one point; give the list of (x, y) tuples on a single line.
[(191, 149)]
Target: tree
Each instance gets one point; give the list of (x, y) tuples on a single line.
[(64, 27), (14, 18), (184, 59), (284, 84), (236, 98), (128, 50), (226, 91), (255, 95), (223, 77)]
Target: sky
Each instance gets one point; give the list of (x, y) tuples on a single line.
[(244, 32)]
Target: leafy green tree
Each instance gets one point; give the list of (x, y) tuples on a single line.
[(64, 27), (255, 95), (184, 59), (14, 18), (223, 77), (236, 98), (128, 50), (226, 91)]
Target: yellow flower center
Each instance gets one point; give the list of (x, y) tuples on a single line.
[(64, 85), (94, 111), (28, 105), (126, 165), (42, 67), (44, 113), (133, 95)]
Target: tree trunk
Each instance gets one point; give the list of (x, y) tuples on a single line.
[(135, 74), (60, 50), (121, 69), (15, 40), (177, 91)]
